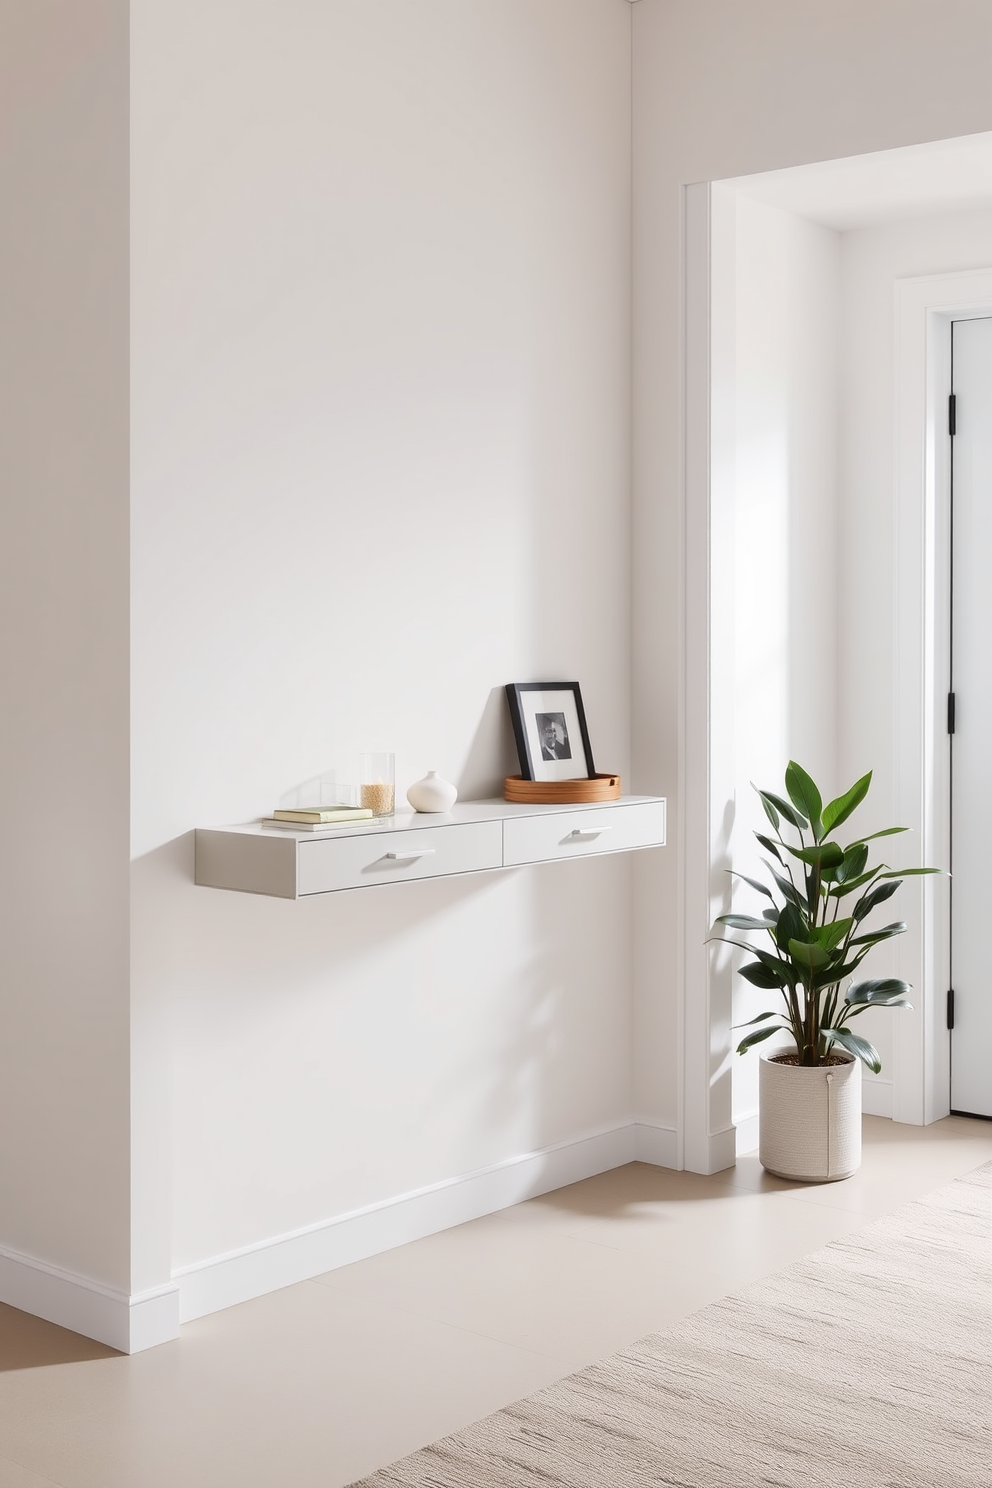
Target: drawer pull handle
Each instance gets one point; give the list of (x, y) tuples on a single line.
[(581, 833), (412, 854)]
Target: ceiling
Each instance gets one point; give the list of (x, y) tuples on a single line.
[(864, 190)]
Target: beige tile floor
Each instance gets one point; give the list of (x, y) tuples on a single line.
[(321, 1383)]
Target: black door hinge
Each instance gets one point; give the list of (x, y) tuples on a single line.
[(952, 415), (950, 712), (950, 1008)]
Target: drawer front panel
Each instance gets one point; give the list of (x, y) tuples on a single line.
[(396, 857), (583, 834)]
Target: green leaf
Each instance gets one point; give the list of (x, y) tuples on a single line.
[(860, 1047), (754, 883), (872, 937), (833, 974), (791, 925), (757, 1037), (761, 975), (782, 970), (843, 889), (830, 936), (761, 1018), (808, 953), (873, 898), (742, 922), (854, 864), (885, 832), (769, 799), (883, 992), (770, 811), (788, 889), (909, 872), (769, 846), (804, 796), (826, 855), (839, 810)]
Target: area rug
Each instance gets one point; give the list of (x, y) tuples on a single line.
[(866, 1365)]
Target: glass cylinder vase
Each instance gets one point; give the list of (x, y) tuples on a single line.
[(378, 782)]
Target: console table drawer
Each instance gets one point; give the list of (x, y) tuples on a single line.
[(583, 833), (395, 857)]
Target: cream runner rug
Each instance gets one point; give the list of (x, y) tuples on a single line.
[(866, 1365)]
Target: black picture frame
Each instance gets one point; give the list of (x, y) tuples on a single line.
[(549, 726)]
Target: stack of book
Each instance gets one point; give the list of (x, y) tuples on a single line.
[(317, 818)]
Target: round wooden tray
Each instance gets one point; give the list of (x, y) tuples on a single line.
[(561, 792)]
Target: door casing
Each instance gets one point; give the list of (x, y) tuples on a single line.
[(924, 309)]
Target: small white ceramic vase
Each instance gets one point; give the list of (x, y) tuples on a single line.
[(432, 793)]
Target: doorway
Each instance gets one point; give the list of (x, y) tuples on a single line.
[(895, 702)]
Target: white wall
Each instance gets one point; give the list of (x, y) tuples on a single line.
[(380, 436), (381, 282), (776, 437), (63, 644), (721, 90)]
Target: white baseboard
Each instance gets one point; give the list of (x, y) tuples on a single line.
[(876, 1096), (133, 1323), (225, 1280), (747, 1133), (123, 1322), (712, 1153), (656, 1144)]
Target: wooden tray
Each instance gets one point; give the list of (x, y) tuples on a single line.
[(561, 792)]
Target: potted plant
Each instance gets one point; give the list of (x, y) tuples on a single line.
[(820, 896)]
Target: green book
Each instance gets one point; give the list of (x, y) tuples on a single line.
[(322, 814)]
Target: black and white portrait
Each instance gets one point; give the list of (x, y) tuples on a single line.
[(553, 734)]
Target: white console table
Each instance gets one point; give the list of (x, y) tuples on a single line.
[(473, 837)]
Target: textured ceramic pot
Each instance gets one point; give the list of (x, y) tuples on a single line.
[(809, 1120), (432, 793)]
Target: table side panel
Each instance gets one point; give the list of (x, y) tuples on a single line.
[(251, 863)]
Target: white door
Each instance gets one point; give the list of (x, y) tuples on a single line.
[(971, 740)]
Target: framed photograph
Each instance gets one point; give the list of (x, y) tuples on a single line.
[(549, 725)]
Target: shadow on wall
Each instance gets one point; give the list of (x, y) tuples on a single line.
[(492, 754), (328, 1054)]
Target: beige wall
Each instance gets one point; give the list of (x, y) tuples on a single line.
[(64, 635), (380, 435)]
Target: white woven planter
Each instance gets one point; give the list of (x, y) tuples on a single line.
[(809, 1120)]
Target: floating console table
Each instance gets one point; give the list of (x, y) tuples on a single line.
[(470, 838)]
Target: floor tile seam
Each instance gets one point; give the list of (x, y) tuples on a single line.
[(32, 1471), (864, 1216)]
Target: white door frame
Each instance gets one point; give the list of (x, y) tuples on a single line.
[(924, 308), (706, 707)]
